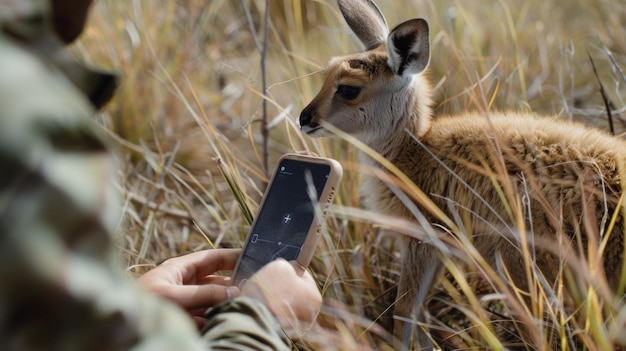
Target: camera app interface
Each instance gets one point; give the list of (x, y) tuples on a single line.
[(286, 216)]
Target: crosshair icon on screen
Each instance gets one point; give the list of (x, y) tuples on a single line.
[(287, 218)]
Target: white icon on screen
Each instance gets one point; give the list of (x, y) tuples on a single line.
[(287, 218)]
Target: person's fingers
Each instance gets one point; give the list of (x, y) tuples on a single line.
[(214, 279), (298, 268), (199, 296), (199, 321), (217, 260), (203, 263), (198, 312), (290, 293)]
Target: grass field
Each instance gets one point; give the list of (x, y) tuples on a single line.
[(210, 98)]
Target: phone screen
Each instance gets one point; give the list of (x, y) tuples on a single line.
[(285, 218)]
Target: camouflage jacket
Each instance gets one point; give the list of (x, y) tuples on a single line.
[(59, 289)]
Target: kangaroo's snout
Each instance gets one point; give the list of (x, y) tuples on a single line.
[(307, 125)]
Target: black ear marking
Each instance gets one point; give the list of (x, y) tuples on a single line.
[(402, 45), (408, 47)]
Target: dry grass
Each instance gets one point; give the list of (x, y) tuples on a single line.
[(187, 124)]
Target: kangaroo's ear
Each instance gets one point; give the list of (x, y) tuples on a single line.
[(408, 47), (365, 20)]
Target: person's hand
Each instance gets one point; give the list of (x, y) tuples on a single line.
[(290, 293), (188, 280)]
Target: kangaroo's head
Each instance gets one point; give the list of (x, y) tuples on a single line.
[(378, 92)]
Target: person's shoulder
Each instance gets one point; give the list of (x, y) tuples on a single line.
[(24, 19), (38, 103)]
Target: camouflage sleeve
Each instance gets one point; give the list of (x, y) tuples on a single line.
[(244, 324), (60, 289), (59, 286)]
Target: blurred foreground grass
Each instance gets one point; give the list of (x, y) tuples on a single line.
[(187, 119)]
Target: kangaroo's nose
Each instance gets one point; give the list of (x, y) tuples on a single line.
[(307, 124), (305, 117)]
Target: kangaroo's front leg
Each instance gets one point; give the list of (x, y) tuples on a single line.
[(421, 267)]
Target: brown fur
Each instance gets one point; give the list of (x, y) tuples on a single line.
[(570, 176)]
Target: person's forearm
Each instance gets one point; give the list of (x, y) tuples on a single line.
[(244, 324)]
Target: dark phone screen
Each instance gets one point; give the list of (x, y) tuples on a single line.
[(285, 218)]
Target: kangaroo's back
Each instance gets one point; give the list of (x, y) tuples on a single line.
[(547, 158)]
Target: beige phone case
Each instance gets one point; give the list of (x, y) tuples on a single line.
[(326, 198), (321, 209)]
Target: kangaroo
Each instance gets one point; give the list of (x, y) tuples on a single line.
[(570, 174)]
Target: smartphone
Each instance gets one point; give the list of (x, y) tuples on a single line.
[(293, 208)]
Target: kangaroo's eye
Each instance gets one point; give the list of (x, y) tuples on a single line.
[(348, 92)]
